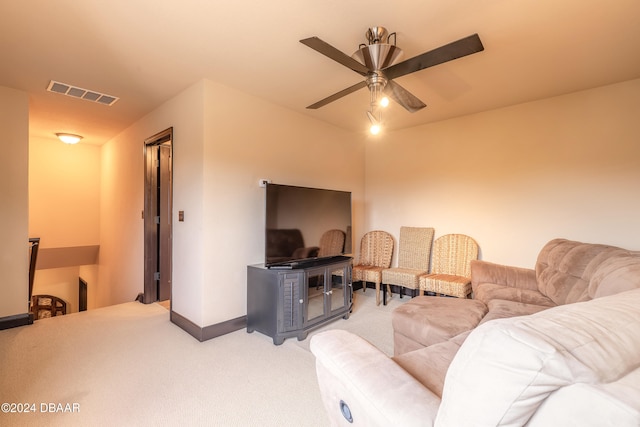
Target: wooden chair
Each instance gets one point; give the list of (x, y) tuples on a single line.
[(451, 266), (376, 250), (414, 253), (43, 306)]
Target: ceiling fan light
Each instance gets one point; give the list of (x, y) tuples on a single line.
[(384, 101), (376, 126), (69, 138)]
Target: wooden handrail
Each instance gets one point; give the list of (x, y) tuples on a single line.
[(33, 257)]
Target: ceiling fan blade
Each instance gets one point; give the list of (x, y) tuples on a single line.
[(448, 52), (327, 50), (337, 95), (403, 97)]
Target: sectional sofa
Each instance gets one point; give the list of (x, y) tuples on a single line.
[(558, 344)]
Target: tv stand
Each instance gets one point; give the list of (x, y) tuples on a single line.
[(283, 303)]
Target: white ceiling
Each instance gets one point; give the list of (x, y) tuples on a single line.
[(147, 51)]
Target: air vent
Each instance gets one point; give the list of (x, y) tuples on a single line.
[(80, 93)]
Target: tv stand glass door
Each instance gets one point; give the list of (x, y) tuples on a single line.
[(326, 292)]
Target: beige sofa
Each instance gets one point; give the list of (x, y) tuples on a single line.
[(565, 272), (555, 345)]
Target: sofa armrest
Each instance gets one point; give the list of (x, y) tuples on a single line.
[(375, 389), (515, 277)]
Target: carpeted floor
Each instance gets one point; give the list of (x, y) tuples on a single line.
[(367, 320), (129, 365)]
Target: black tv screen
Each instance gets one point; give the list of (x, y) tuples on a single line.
[(306, 224)]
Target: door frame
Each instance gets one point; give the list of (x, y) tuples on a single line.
[(157, 258)]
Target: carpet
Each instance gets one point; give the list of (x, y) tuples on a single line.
[(371, 322), (129, 365)]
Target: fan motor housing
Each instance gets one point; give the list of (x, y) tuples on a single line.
[(379, 53), (378, 56)]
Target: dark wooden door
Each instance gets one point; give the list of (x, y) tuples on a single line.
[(158, 217)]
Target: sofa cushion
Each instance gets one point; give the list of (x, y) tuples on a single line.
[(612, 404), (427, 320), (616, 274), (565, 269), (592, 342), (487, 292), (500, 309), (560, 270), (429, 365), (489, 272)]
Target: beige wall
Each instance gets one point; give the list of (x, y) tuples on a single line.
[(14, 208), (224, 142), (188, 194), (121, 269), (247, 139), (64, 193), (64, 211), (517, 177), (60, 282)]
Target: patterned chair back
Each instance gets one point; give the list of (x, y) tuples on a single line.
[(414, 250), (452, 254), (376, 249)]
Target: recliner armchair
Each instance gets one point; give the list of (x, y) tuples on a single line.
[(551, 370)]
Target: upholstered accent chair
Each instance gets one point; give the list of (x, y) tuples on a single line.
[(331, 243), (451, 266), (414, 253), (376, 250)]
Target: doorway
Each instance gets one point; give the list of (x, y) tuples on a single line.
[(158, 201)]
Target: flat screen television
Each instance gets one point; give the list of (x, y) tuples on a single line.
[(306, 224)]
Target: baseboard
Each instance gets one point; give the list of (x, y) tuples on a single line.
[(16, 320), (208, 332)]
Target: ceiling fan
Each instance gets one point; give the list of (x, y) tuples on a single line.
[(376, 62)]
